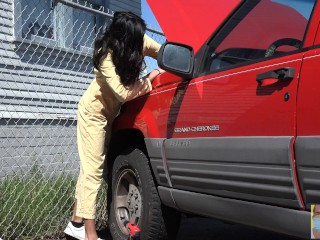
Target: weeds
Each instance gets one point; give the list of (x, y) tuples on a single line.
[(34, 204)]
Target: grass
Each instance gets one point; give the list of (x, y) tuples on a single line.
[(33, 205)]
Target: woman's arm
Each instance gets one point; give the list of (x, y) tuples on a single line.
[(122, 93), (142, 86), (150, 47)]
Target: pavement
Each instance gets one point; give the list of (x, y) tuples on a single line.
[(211, 229), (198, 228)]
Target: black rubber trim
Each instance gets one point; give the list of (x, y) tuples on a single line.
[(246, 150), (166, 197), (278, 219), (307, 152), (156, 155), (257, 169)]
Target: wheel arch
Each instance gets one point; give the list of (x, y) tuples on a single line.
[(124, 139)]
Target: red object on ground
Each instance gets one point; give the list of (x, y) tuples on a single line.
[(134, 231)]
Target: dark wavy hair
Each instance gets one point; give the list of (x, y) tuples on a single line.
[(124, 38)]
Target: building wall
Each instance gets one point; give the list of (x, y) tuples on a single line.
[(126, 5), (40, 86), (46, 145)]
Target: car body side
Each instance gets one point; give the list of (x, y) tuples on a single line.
[(222, 145)]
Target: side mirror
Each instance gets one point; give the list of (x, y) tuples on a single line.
[(177, 59)]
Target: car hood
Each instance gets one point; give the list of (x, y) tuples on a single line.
[(191, 22)]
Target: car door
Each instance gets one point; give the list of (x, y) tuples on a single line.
[(307, 144), (233, 132)]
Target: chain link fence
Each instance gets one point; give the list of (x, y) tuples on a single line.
[(45, 66)]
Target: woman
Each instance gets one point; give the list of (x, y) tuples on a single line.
[(118, 59)]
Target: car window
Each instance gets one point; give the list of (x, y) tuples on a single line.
[(260, 29)]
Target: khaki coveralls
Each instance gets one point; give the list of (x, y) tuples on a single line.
[(97, 109)]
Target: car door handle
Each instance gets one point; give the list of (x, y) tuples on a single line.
[(283, 74)]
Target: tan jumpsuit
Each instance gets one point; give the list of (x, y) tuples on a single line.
[(97, 109)]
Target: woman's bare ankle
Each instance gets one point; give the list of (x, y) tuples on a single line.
[(90, 227), (77, 219)]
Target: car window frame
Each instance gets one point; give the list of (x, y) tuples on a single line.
[(232, 22)]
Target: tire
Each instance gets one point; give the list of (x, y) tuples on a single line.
[(135, 199)]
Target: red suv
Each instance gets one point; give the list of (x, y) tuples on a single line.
[(232, 129)]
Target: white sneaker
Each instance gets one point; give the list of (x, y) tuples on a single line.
[(78, 233)]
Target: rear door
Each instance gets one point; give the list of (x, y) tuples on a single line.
[(234, 130)]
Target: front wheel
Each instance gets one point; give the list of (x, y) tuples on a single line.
[(135, 199)]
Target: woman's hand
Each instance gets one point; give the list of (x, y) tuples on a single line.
[(155, 73)]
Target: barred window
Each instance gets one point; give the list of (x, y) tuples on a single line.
[(86, 23), (54, 24), (35, 18)]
